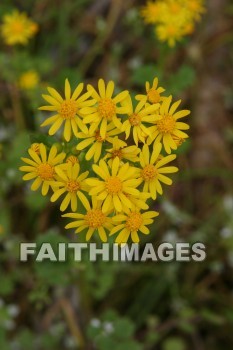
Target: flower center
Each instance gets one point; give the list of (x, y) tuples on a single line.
[(149, 172), (98, 137), (68, 109), (166, 124), (135, 119), (72, 159), (153, 96), (113, 185), (45, 171), (194, 5), (95, 218), (117, 153), (107, 108), (134, 221), (171, 30), (72, 186), (175, 8), (17, 27)]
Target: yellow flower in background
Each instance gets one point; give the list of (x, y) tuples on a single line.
[(152, 170), (93, 220), (95, 141), (169, 125), (169, 32), (67, 110), (71, 183), (17, 28), (153, 93), (138, 118), (122, 151), (131, 224), (196, 8), (173, 19), (106, 109), (114, 184), (151, 12), (41, 168), (29, 80)]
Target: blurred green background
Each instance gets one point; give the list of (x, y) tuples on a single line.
[(120, 306)]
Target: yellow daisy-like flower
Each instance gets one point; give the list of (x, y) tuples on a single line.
[(72, 159), (36, 147), (196, 8), (41, 167), (153, 93), (113, 186), (168, 125), (170, 32), (151, 11), (152, 170), (137, 201), (17, 28), (96, 141), (122, 151), (68, 110), (178, 140), (71, 182), (29, 80), (106, 108), (93, 220), (138, 118), (131, 224)]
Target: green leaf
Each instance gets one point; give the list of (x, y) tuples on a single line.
[(146, 73), (181, 80), (123, 328)]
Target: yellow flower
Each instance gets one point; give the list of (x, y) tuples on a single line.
[(170, 32), (131, 224), (119, 149), (152, 170), (112, 187), (41, 168), (72, 159), (174, 19), (138, 118), (106, 109), (196, 8), (17, 28), (36, 148), (67, 110), (137, 201), (94, 220), (153, 93), (178, 140), (168, 125), (96, 141), (29, 80), (151, 11), (71, 182)]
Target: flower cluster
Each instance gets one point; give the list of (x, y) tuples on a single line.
[(121, 159), (17, 28), (173, 19)]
